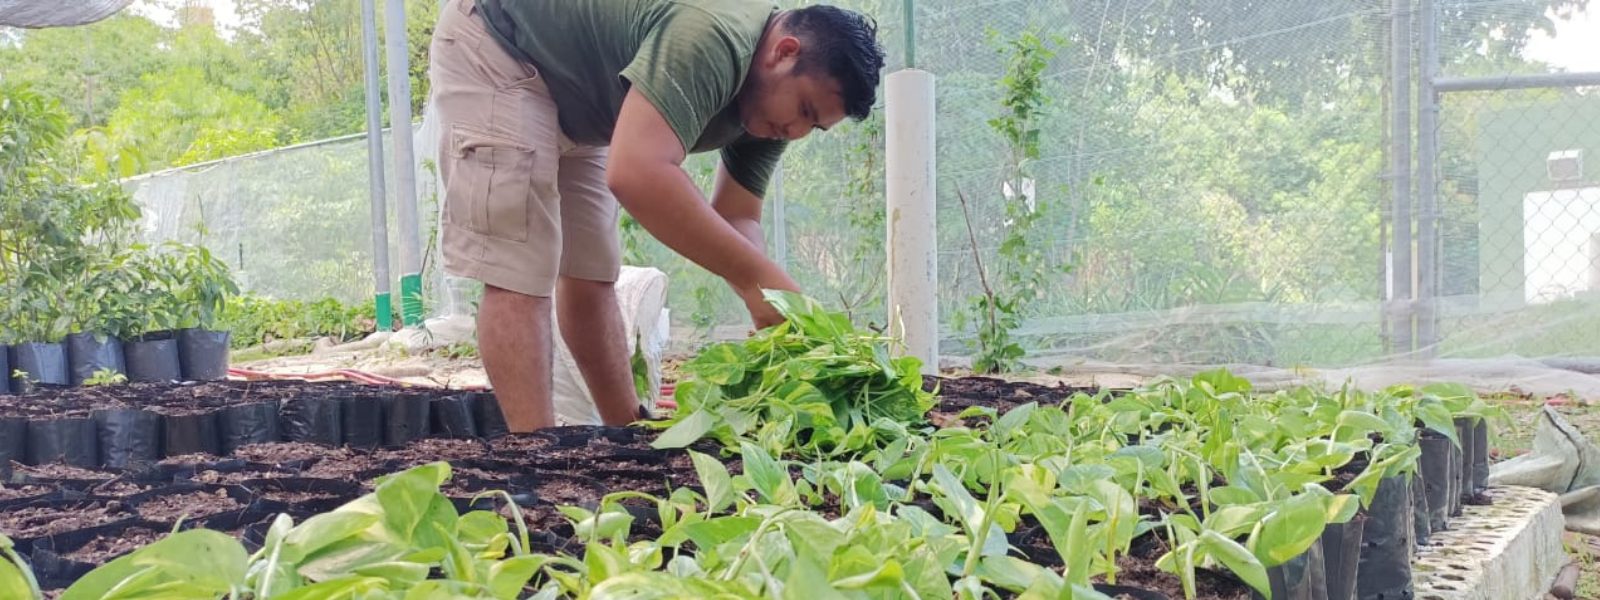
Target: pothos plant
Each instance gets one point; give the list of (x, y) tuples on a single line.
[(813, 385)]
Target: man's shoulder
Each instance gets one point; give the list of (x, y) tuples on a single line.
[(741, 16)]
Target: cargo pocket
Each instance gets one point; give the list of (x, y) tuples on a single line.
[(491, 185)]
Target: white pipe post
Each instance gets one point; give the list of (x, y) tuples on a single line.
[(380, 214), (911, 187), (405, 175)]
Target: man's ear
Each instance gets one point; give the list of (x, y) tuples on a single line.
[(786, 50)]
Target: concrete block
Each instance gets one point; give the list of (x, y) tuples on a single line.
[(1509, 551)]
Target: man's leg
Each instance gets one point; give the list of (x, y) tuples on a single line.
[(591, 324), (498, 156), (514, 341), (586, 298)]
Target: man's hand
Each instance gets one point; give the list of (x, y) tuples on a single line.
[(645, 173)]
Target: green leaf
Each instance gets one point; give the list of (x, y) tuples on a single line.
[(1230, 496), (1235, 520), (1290, 529), (1438, 418), (13, 583), (768, 478), (1356, 425), (337, 589), (205, 562), (321, 531), (967, 507), (1237, 559), (412, 503), (716, 480), (507, 577), (721, 530), (397, 573), (1012, 573), (687, 431), (721, 364)]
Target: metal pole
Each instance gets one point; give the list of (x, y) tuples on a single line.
[(1516, 82), (1400, 171), (1427, 183), (380, 221), (910, 9), (780, 221), (405, 175)]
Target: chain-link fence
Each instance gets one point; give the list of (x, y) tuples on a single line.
[(1210, 181)]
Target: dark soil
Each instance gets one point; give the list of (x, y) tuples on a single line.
[(434, 449), (61, 472), (121, 489), (105, 547), (189, 505), (281, 453), (29, 522), (14, 492)]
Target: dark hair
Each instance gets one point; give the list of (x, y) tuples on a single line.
[(844, 45)]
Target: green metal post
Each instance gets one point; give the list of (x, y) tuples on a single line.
[(385, 312), (911, 34)]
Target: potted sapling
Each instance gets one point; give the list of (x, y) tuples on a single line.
[(151, 346), (37, 327), (203, 285), (104, 310)]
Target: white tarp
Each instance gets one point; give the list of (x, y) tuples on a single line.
[(57, 13)]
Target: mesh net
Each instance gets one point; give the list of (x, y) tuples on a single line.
[(1212, 184)]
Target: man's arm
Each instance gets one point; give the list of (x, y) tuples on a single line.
[(645, 173), (738, 206)]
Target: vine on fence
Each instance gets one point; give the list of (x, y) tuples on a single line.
[(1024, 267)]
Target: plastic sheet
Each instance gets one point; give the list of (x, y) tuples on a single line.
[(1421, 519)]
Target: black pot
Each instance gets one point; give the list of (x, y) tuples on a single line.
[(1341, 555), (487, 417), (13, 442), (5, 369), (190, 434), (52, 567), (311, 419), (203, 354), (153, 358), (1480, 458), (1437, 478), (452, 417), (71, 440), (44, 362), (1384, 571), (1462, 466), (405, 418), (89, 353), (362, 419), (129, 437), (1304, 577), (245, 424)]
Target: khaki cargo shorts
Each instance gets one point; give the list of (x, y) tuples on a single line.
[(523, 204)]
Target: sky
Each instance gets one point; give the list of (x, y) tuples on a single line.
[(1575, 47)]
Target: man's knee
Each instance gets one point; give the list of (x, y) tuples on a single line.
[(501, 298)]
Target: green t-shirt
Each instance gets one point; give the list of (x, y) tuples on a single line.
[(688, 57)]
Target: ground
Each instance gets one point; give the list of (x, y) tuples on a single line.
[(453, 367)]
